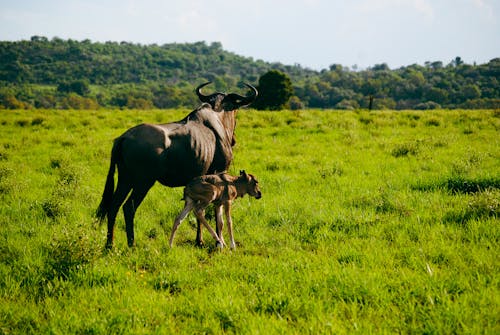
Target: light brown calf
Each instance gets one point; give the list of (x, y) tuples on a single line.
[(219, 189)]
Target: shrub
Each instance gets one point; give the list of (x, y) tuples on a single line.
[(405, 149), (9, 101), (483, 103), (275, 89), (459, 184), (57, 205), (139, 103), (347, 104), (68, 253), (427, 105), (53, 207), (80, 87), (481, 204), (74, 101), (295, 103), (6, 182)]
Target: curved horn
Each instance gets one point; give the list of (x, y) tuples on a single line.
[(251, 98), (247, 100), (203, 98)]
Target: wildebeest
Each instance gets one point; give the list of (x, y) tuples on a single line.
[(172, 153), (219, 189)]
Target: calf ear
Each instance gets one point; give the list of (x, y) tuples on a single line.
[(242, 173)]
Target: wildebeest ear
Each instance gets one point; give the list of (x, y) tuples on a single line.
[(243, 173)]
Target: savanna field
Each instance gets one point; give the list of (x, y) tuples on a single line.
[(370, 222)]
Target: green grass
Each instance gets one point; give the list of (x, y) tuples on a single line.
[(381, 222)]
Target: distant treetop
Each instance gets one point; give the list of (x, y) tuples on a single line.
[(45, 73)]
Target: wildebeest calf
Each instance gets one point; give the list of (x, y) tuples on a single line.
[(219, 189)]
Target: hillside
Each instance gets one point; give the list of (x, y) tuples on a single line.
[(60, 73)]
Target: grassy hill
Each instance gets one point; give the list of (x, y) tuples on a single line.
[(45, 73)]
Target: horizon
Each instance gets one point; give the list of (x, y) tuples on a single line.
[(350, 68)]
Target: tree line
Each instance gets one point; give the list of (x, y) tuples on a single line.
[(69, 74)]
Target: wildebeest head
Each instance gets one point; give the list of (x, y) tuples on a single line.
[(226, 102), (226, 105)]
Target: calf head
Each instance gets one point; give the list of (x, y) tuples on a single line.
[(251, 184)]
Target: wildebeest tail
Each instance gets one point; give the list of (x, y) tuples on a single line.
[(109, 188)]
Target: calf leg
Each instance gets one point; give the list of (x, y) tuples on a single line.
[(188, 206), (200, 215), (227, 208), (199, 235), (219, 223)]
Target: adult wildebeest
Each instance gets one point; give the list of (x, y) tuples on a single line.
[(219, 189), (172, 153)]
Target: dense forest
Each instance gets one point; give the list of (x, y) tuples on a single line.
[(69, 74)]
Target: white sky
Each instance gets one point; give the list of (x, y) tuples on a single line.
[(312, 33)]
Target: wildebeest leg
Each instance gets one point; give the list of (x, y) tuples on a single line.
[(187, 208), (133, 202), (122, 190), (200, 215), (227, 208), (219, 222)]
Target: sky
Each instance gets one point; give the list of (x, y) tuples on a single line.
[(312, 33)]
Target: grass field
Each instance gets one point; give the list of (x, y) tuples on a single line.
[(381, 222)]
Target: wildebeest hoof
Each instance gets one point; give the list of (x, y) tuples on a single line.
[(219, 245)]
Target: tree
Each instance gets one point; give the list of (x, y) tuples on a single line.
[(275, 89), (295, 103), (470, 91), (457, 61), (43, 73), (80, 87)]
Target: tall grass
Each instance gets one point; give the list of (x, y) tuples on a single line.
[(370, 222)]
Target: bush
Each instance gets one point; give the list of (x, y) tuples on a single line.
[(11, 102), (481, 204), (481, 104), (69, 252), (384, 103), (57, 205), (295, 103), (459, 184), (405, 149), (139, 103), (74, 101), (46, 101), (427, 105), (347, 104), (275, 89), (80, 87)]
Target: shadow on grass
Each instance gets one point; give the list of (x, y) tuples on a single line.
[(460, 184)]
